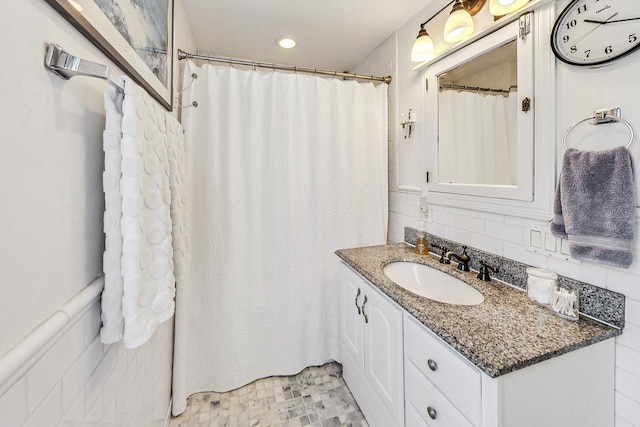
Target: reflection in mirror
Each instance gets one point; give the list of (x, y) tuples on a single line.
[(477, 120)]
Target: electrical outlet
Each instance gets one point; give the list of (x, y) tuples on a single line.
[(540, 240)]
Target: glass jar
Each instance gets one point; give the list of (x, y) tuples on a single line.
[(541, 285)]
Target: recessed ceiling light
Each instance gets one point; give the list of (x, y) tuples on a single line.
[(286, 42)]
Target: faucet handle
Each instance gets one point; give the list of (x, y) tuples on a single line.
[(483, 273), (443, 256), (489, 266)]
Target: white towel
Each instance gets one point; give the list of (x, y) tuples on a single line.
[(180, 231), (112, 320), (138, 263)]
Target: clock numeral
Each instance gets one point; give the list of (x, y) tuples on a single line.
[(587, 53), (608, 50), (633, 38), (573, 49), (571, 24), (582, 8), (565, 39)]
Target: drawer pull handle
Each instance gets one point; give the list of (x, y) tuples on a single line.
[(432, 413), (432, 364), (366, 319), (358, 296)]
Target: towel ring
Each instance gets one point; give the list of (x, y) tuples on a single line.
[(597, 121)]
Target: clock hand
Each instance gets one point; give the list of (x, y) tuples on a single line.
[(594, 28), (610, 22)]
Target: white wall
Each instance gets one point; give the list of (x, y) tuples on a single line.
[(580, 91), (51, 238)]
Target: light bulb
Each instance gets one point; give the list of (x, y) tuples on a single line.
[(505, 7)]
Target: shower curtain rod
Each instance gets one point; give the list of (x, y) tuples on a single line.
[(448, 86), (186, 55)]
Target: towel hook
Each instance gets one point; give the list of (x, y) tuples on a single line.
[(606, 115)]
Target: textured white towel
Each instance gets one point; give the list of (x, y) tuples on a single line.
[(112, 320), (180, 231), (138, 261)]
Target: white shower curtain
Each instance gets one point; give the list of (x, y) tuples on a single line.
[(481, 134), (284, 169)]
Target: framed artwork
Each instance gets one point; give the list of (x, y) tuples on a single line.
[(136, 34)]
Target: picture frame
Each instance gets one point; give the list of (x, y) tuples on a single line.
[(136, 36)]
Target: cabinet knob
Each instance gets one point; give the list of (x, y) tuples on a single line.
[(432, 413), (358, 296), (432, 364)]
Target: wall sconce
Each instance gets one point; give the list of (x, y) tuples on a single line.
[(423, 49), (407, 127), (504, 7), (459, 24)]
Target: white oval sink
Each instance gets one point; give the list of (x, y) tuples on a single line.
[(431, 283)]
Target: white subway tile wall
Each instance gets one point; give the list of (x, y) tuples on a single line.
[(505, 236), (78, 381)]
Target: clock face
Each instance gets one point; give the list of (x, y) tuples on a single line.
[(592, 32)]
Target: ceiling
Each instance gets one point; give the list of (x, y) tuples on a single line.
[(331, 34)]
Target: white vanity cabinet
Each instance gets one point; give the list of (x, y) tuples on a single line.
[(371, 347), (443, 389), (440, 385)]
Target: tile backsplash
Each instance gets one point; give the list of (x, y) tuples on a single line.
[(601, 304)]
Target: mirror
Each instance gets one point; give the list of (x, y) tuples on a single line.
[(483, 140), (477, 119)]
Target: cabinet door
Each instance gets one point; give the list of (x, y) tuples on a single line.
[(351, 320), (383, 350)]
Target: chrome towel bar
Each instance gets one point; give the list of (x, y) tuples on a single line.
[(65, 66)]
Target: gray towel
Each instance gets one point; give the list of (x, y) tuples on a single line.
[(594, 208)]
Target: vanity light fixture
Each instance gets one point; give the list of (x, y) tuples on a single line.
[(459, 24), (460, 17), (423, 49), (286, 42), (504, 7)]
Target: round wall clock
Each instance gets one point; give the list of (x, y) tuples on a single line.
[(594, 32)]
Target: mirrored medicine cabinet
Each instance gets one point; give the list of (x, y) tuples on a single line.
[(491, 154), (481, 124)]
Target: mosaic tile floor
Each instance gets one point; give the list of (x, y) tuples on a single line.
[(317, 396)]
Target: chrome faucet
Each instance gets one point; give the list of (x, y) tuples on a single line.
[(462, 259)]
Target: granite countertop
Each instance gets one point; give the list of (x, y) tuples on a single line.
[(503, 334)]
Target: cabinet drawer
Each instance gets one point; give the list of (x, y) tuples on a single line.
[(453, 376), (422, 396), (413, 418)]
